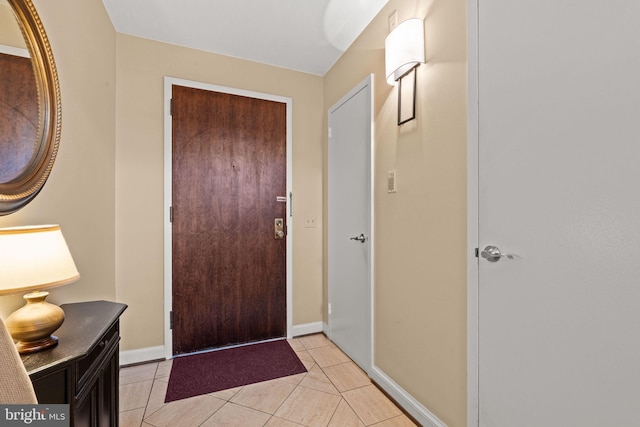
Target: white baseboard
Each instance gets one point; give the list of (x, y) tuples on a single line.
[(141, 355), (306, 329), (425, 417)]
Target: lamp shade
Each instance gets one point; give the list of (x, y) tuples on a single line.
[(404, 49), (34, 258)]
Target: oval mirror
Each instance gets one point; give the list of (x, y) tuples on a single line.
[(30, 108)]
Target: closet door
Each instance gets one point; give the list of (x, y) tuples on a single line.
[(559, 147)]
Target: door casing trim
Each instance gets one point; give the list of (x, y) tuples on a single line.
[(473, 140), (168, 153)]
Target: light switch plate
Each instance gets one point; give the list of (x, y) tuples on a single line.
[(392, 181)]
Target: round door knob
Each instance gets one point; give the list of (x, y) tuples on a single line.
[(491, 253)]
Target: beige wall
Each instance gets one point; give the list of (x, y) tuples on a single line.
[(88, 192), (80, 193), (420, 231), (106, 189), (10, 34), (142, 65)]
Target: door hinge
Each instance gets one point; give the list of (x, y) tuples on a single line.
[(329, 308), (329, 132), (171, 107), (291, 204), (170, 213), (171, 320), (477, 252)]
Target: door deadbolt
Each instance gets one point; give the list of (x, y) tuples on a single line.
[(278, 228)]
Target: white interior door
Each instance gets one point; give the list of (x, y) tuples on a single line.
[(349, 224), (559, 153)]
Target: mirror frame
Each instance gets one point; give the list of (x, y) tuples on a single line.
[(16, 193)]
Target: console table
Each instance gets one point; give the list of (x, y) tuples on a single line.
[(83, 369)]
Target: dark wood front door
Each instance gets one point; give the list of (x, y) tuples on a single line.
[(229, 269)]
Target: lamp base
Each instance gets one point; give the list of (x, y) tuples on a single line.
[(25, 347), (32, 325)]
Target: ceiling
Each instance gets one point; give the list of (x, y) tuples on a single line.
[(302, 35)]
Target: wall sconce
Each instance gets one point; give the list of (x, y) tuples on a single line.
[(404, 51), (32, 259)]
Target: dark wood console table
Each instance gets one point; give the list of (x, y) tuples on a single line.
[(83, 369)]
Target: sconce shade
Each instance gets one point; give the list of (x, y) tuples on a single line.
[(34, 258), (404, 49)]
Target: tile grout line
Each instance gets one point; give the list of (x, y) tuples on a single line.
[(342, 393), (315, 362), (357, 388), (153, 383), (335, 386), (288, 396), (145, 416)]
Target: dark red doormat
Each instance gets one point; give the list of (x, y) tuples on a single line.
[(234, 367)]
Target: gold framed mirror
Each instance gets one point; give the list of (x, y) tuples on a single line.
[(26, 165)]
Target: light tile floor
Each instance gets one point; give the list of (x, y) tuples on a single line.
[(334, 392)]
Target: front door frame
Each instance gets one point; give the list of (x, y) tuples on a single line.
[(473, 138), (168, 195)]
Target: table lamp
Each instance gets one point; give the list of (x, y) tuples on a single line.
[(34, 258)]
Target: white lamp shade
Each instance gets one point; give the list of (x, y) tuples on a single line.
[(34, 258), (404, 49)]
